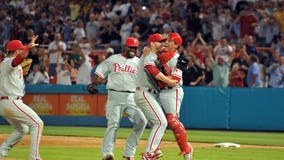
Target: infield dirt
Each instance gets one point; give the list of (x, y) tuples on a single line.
[(92, 142)]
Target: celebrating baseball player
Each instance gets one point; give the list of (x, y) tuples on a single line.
[(120, 70), (146, 94), (171, 97), (12, 108)]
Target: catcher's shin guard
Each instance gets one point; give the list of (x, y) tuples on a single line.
[(179, 133)]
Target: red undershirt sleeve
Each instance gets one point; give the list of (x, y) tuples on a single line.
[(152, 70), (17, 60)]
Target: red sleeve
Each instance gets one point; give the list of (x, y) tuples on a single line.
[(152, 70), (17, 60), (176, 78)]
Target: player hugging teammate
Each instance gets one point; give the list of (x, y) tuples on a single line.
[(159, 92)]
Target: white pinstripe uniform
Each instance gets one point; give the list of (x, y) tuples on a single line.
[(18, 114), (171, 99), (147, 99), (121, 76), (172, 96)]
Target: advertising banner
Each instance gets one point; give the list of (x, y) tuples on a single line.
[(43, 104)]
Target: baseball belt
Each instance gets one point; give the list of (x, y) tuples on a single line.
[(11, 97), (147, 89)]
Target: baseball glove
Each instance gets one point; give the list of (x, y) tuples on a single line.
[(26, 65), (92, 88), (182, 61)]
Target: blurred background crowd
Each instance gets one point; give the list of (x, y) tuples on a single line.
[(236, 43)]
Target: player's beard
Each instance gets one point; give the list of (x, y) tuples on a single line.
[(131, 54)]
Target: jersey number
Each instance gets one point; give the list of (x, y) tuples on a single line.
[(20, 72)]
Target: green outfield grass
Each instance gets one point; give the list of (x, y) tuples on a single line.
[(253, 138), (61, 153)]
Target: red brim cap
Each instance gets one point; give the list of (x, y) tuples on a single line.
[(15, 45), (155, 38)]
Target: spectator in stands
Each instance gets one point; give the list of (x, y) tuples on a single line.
[(278, 14), (54, 49), (115, 27), (280, 45), (92, 27), (253, 76), (250, 46), (63, 72), (236, 76), (242, 61), (28, 36), (43, 19), (196, 15), (79, 31), (271, 30), (68, 30), (217, 28), (221, 70), (44, 39), (84, 49), (227, 22), (38, 75), (74, 7), (65, 56), (224, 50), (193, 21), (276, 72), (274, 57), (192, 75), (73, 72), (262, 69), (270, 8), (97, 59), (247, 21), (34, 55), (50, 32), (109, 52), (198, 53), (58, 25), (157, 26), (207, 79), (126, 29), (240, 6), (5, 28), (104, 32)]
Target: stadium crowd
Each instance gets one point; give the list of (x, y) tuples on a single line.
[(237, 43)]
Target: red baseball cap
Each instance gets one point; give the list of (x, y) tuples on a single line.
[(175, 37), (14, 45), (155, 38), (132, 42)]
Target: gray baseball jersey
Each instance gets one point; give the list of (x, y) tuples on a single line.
[(121, 77), (120, 72), (171, 98), (147, 99), (18, 114), (142, 77)]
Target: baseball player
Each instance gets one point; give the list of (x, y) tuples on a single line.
[(146, 94), (171, 97), (120, 70), (12, 108)]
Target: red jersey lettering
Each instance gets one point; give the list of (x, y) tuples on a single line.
[(124, 68)]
